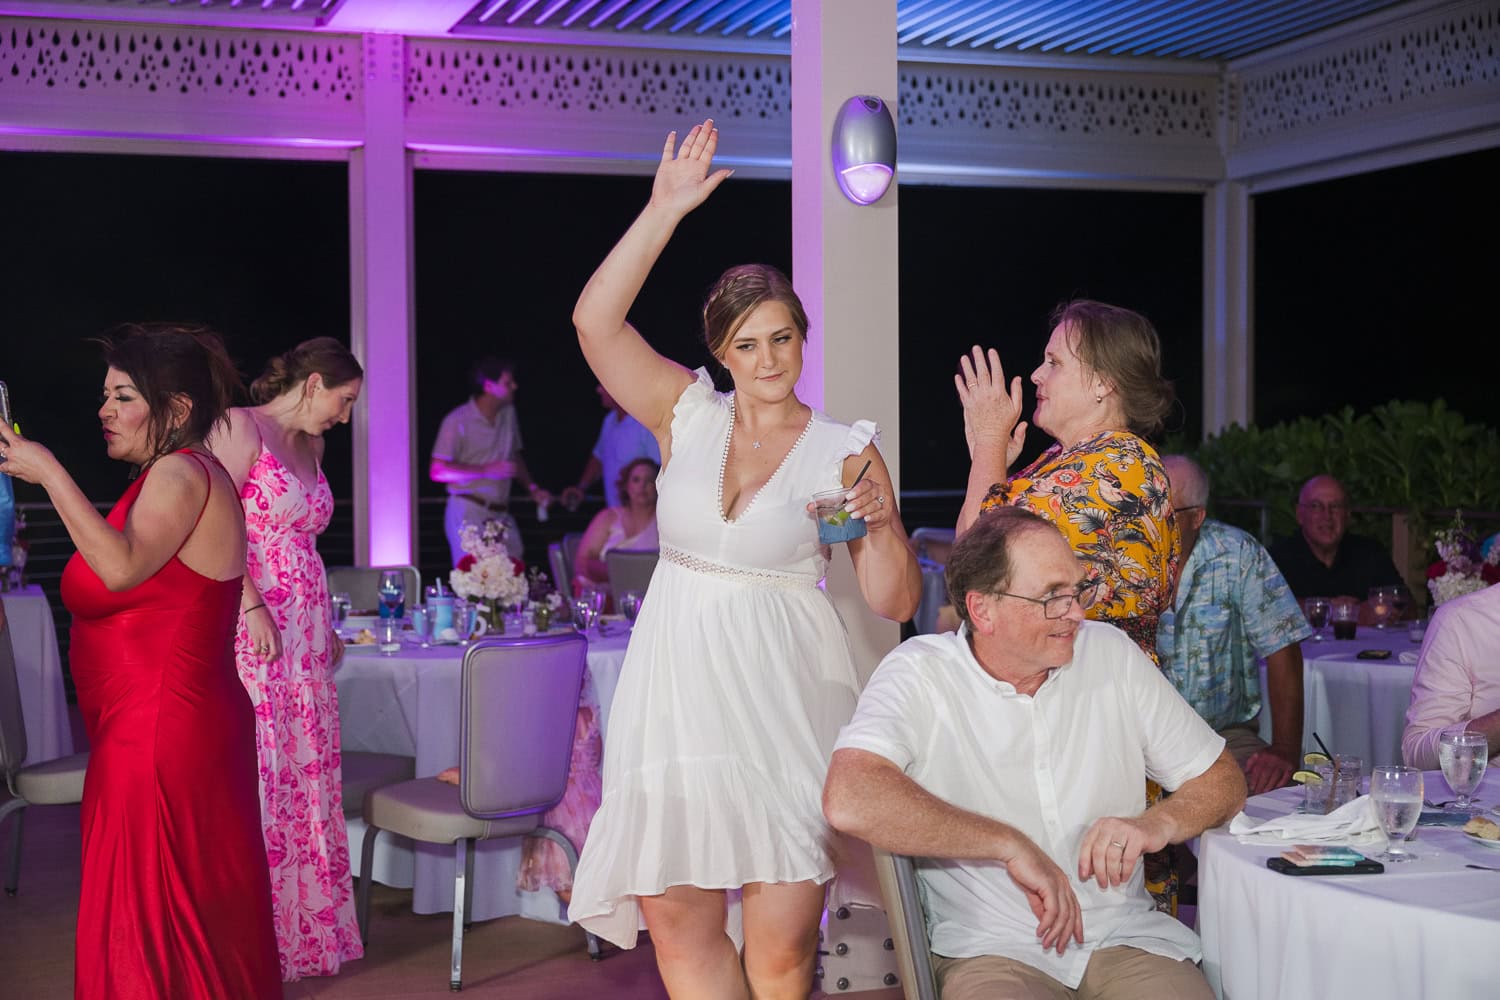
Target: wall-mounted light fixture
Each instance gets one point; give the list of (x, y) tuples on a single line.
[(864, 149)]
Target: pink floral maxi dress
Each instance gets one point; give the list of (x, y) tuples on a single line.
[(297, 724)]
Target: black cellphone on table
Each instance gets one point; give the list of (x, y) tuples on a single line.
[(1373, 654), (1363, 867)]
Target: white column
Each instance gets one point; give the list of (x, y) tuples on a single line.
[(380, 281), (844, 258), (1228, 319)]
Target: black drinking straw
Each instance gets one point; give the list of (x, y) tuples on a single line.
[(861, 474), (1324, 746)]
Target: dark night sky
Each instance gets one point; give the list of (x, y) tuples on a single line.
[(1393, 268)]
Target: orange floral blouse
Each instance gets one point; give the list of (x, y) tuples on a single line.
[(1108, 494)]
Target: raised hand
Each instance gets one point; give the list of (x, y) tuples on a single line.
[(991, 412), (24, 459), (683, 181)]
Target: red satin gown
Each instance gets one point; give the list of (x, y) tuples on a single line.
[(176, 898)]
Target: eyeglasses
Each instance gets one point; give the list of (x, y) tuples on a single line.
[(1056, 607), (1319, 507), (1184, 510)]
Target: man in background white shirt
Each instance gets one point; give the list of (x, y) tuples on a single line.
[(622, 439), (1009, 759), (478, 452)]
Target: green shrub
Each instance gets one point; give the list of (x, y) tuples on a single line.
[(1421, 458)]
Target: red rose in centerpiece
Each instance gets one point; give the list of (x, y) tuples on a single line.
[(466, 563)]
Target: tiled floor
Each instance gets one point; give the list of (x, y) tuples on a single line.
[(408, 953)]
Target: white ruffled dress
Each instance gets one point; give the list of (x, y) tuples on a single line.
[(736, 683)]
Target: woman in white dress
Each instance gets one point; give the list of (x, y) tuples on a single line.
[(739, 673)]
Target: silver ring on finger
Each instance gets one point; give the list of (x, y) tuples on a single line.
[(880, 500), (1116, 843)]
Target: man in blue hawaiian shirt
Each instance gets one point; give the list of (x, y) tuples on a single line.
[(1233, 608)]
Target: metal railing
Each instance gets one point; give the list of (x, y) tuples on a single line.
[(51, 548)]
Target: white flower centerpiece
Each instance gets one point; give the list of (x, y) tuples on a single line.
[(1460, 569), (488, 574)]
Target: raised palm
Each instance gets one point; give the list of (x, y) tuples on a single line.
[(683, 181)]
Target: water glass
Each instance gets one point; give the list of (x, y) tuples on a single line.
[(1397, 794), (1345, 617), (630, 605), (392, 593), (388, 634), (1416, 629), (1316, 609), (421, 625), (583, 613), (1463, 754), (1383, 605), (341, 606)]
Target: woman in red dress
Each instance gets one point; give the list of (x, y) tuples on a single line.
[(176, 900)]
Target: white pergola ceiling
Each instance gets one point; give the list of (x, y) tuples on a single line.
[(1206, 30)]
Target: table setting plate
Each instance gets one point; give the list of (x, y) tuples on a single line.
[(1493, 845)]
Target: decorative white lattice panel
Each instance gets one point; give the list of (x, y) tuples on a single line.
[(1050, 104), (569, 83), (1447, 58), (150, 77)]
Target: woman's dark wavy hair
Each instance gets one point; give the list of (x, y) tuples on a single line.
[(171, 364), (323, 356)]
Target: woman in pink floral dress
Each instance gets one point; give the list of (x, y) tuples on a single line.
[(286, 647)]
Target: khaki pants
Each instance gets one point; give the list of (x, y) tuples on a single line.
[(1243, 741), (1119, 973)]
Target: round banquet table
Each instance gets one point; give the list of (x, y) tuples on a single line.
[(1356, 706), (44, 703), (1424, 928), (408, 703)]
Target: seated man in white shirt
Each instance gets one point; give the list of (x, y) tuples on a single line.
[(1009, 758), (1458, 677)]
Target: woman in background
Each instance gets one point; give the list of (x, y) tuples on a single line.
[(632, 525), (174, 900), (287, 649)]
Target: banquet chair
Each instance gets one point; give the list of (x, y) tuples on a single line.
[(933, 546), (364, 771), (908, 923), (362, 584), (558, 565), (50, 783), (630, 569), (517, 716), (570, 543)]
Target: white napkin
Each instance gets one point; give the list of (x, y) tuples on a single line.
[(1352, 824), (1408, 656)]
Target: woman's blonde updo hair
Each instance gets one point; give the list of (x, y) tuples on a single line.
[(324, 356), (1122, 346), (736, 294)]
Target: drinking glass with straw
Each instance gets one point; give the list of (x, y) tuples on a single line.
[(834, 522)]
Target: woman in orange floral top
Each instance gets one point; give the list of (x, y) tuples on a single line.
[(1099, 392)]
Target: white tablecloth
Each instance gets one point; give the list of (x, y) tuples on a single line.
[(44, 703), (408, 703), (1424, 928), (1356, 706)]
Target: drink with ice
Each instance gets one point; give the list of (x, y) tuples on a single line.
[(835, 524), (1397, 794), (1463, 755)]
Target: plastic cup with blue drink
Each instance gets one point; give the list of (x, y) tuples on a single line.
[(439, 610), (835, 524)]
